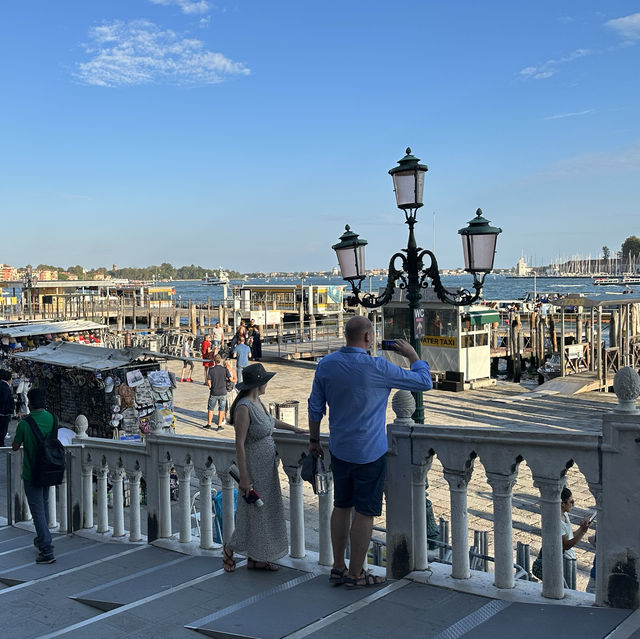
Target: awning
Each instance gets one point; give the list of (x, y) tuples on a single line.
[(49, 328), (478, 318), (87, 358)]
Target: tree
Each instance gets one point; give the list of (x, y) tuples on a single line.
[(631, 247), (606, 253)]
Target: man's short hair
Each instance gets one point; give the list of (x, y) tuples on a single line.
[(37, 398), (5, 374), (356, 328), (217, 359)]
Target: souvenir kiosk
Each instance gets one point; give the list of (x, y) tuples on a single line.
[(455, 339)]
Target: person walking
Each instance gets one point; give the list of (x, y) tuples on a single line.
[(218, 336), (242, 353), (7, 403), (207, 354), (256, 341), (217, 383), (356, 388), (37, 495), (187, 362), (260, 532)]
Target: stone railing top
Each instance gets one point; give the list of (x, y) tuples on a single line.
[(626, 385)]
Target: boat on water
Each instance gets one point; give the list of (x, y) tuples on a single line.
[(220, 278), (551, 368), (624, 280)]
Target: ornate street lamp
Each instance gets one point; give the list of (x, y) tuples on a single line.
[(407, 269)]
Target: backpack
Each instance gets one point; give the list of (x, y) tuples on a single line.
[(47, 469)]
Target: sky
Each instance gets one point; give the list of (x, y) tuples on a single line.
[(248, 133)]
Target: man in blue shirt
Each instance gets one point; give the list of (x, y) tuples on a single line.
[(356, 387), (243, 353)]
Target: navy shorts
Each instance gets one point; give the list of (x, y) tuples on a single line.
[(359, 485)]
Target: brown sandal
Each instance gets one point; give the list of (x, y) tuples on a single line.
[(228, 562), (252, 564), (365, 580)]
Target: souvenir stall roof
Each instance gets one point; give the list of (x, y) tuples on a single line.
[(46, 328), (88, 358)]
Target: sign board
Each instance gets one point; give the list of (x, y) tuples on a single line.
[(418, 322), (266, 317), (439, 341), (574, 351)]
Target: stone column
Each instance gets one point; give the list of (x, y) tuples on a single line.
[(64, 504), (502, 486), (87, 495), (164, 499), (458, 481), (552, 564), (184, 495), (206, 513), (228, 519), (418, 477), (103, 513), (134, 507), (296, 511), (52, 514), (118, 502)]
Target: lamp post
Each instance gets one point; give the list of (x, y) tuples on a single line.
[(407, 268), (29, 280)]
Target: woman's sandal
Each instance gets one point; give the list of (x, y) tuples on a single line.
[(252, 564), (228, 562), (336, 578), (365, 580)]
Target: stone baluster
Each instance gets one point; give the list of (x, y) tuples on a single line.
[(103, 513), (87, 495), (325, 508), (134, 505), (206, 511), (458, 481), (63, 504), (117, 476), (296, 511), (502, 487), (552, 564), (184, 495), (228, 518), (418, 497), (164, 499), (51, 510)]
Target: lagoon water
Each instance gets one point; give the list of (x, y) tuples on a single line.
[(496, 287)]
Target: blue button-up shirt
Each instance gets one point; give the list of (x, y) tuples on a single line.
[(356, 387)]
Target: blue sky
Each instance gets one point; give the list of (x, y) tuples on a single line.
[(248, 133)]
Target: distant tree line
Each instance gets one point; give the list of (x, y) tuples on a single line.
[(164, 271), (630, 249)]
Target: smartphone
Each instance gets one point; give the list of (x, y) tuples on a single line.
[(389, 345), (592, 515)]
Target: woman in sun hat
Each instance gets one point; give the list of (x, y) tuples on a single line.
[(260, 532)]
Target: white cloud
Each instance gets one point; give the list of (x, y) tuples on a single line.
[(628, 26), (190, 7), (559, 116), (139, 52), (550, 67)]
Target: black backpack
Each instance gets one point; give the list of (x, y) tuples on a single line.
[(47, 469)]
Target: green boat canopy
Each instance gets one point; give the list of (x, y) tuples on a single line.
[(478, 318)]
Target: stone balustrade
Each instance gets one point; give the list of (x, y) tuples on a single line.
[(608, 461)]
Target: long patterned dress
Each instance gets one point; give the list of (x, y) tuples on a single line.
[(261, 533)]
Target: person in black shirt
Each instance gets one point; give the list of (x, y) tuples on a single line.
[(217, 383)]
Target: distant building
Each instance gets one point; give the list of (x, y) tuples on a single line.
[(522, 270), (8, 273), (47, 275), (69, 276)]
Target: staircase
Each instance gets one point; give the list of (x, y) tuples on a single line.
[(118, 589)]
